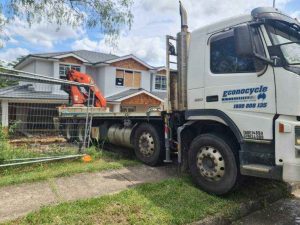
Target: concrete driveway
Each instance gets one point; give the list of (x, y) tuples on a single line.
[(18, 200)]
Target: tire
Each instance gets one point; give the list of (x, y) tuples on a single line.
[(213, 164), (148, 145)]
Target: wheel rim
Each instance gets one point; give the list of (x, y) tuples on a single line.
[(146, 144), (211, 163)]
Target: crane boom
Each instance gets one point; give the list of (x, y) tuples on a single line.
[(78, 97)]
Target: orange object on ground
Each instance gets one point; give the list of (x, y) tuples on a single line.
[(87, 158), (80, 98)]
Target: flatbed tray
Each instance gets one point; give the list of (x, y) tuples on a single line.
[(81, 112)]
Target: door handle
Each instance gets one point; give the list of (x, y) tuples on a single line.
[(212, 98)]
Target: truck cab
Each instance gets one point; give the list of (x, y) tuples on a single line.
[(243, 76)]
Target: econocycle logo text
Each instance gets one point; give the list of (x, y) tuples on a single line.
[(245, 91)]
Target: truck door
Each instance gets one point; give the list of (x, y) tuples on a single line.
[(243, 88)]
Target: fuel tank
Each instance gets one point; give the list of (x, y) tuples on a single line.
[(120, 135)]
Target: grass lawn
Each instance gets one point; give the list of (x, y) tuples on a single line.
[(37, 172), (174, 201)]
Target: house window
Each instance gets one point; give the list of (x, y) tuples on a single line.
[(63, 69), (127, 78), (128, 108), (160, 82)]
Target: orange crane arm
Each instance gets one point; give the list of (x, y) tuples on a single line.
[(78, 97)]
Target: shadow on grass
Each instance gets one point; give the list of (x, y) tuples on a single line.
[(181, 202)]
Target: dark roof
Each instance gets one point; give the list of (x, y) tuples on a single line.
[(123, 94), (129, 92), (90, 56), (27, 92), (161, 95)]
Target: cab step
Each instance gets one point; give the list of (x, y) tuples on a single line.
[(264, 171)]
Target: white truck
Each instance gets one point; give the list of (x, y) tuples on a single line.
[(233, 108)]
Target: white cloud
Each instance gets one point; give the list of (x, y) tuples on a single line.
[(85, 44), (42, 34), (165, 5), (154, 20), (12, 54)]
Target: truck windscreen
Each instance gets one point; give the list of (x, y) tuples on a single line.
[(286, 38)]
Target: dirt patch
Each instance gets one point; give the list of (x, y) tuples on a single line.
[(38, 140)]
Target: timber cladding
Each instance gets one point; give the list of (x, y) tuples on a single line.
[(130, 64), (71, 60), (162, 72), (142, 99)]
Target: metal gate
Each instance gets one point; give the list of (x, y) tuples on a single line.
[(31, 129)]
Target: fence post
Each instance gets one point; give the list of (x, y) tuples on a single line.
[(4, 108)]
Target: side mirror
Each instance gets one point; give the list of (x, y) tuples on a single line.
[(243, 41)]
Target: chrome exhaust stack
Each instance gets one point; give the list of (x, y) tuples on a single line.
[(183, 40), (184, 18)]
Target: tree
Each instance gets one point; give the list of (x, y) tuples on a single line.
[(107, 15), (4, 81)]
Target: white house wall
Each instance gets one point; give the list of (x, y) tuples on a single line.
[(39, 67), (110, 81), (44, 68), (101, 80), (29, 67), (93, 72), (146, 80)]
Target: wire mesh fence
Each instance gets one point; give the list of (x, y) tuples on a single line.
[(31, 126)]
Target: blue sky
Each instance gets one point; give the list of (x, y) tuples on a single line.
[(146, 38)]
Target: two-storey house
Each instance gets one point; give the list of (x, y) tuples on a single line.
[(127, 82)]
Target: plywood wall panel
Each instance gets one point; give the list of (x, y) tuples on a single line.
[(72, 60), (130, 64)]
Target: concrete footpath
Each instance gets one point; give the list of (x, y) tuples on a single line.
[(283, 212), (18, 200)]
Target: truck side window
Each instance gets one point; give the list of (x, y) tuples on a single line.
[(223, 57)]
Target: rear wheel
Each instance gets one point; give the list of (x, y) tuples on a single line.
[(148, 145), (213, 164)]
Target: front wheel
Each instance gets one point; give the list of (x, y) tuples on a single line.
[(213, 164), (148, 145)]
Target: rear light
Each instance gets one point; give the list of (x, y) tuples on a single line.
[(281, 128)]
